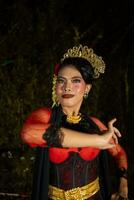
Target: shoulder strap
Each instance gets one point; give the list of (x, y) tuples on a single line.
[(100, 125)]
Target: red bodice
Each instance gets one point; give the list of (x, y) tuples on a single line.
[(59, 155)]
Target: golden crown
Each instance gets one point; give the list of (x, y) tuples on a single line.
[(87, 53)]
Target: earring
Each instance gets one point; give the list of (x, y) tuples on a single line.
[(85, 95)]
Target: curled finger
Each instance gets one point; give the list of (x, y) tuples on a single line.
[(110, 124), (117, 132), (115, 138)]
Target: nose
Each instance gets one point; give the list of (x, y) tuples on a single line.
[(67, 87)]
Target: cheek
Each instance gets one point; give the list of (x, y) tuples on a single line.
[(59, 88), (79, 88)]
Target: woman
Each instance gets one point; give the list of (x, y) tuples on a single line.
[(68, 167)]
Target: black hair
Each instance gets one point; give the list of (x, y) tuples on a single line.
[(82, 65)]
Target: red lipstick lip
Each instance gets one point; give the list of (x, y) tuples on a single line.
[(67, 96)]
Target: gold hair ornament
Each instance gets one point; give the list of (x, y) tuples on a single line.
[(88, 54), (54, 96)]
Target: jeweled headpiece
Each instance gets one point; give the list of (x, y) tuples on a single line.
[(87, 53)]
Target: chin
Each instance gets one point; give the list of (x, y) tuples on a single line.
[(70, 104), (67, 104)]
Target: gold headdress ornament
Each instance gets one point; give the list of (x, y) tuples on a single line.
[(88, 54)]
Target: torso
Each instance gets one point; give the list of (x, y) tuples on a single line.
[(74, 167), (73, 172)]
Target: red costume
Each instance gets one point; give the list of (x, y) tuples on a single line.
[(69, 167)]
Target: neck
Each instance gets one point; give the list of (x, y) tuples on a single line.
[(70, 111)]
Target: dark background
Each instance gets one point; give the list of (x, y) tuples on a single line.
[(34, 34)]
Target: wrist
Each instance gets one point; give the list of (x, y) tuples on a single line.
[(98, 141), (123, 173)]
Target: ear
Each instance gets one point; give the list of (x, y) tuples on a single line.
[(88, 88)]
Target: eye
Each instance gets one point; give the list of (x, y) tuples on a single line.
[(60, 80), (76, 80)]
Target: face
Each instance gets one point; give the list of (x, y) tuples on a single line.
[(71, 87)]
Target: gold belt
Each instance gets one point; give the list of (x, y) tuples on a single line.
[(79, 193)]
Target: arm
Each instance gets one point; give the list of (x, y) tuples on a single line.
[(38, 123), (78, 139), (120, 157)]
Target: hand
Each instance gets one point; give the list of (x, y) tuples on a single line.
[(109, 138), (122, 194)]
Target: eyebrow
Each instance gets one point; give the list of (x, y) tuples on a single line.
[(71, 77)]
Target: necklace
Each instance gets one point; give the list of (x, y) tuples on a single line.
[(74, 119)]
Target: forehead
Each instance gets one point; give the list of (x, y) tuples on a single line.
[(69, 71)]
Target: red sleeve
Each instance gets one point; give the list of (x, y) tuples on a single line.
[(34, 127), (117, 152)]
